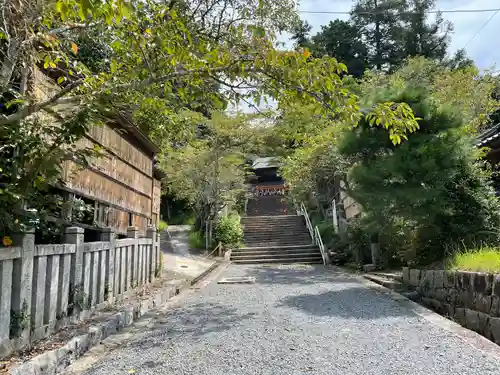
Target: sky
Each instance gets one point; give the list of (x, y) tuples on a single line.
[(484, 48), (481, 42)]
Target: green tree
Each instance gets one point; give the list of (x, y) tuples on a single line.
[(431, 184), (422, 38), (165, 51), (209, 172), (342, 40), (464, 90), (394, 30)]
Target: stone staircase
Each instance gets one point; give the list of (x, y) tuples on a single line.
[(276, 239)]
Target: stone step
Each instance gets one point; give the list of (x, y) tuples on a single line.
[(276, 243), (274, 248), (306, 254), (272, 229), (283, 260), (272, 236), (388, 283), (284, 250), (273, 222), (277, 231), (273, 218)]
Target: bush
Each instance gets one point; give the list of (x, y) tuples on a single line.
[(483, 259), (327, 232), (229, 231), (162, 226), (196, 240)]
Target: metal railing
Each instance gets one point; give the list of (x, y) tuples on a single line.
[(303, 211), (314, 232), (319, 242)]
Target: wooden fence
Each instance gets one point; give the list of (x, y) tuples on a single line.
[(45, 287)]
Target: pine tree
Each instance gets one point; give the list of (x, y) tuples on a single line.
[(380, 24), (342, 40), (394, 30), (422, 38)]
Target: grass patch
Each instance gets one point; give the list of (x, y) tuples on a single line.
[(162, 226), (483, 259), (196, 240)]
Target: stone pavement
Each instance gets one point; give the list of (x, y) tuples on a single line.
[(294, 320)]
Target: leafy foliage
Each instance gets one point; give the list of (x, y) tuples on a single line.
[(460, 90), (211, 172), (196, 240), (432, 181), (229, 230), (382, 34), (167, 63), (32, 157)]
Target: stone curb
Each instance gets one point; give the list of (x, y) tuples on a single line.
[(204, 273), (54, 361), (470, 337)]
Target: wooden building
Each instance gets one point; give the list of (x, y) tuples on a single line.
[(122, 187)]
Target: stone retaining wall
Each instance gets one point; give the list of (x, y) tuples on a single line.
[(472, 299)]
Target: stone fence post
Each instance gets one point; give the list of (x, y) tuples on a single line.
[(22, 284), (75, 235), (132, 232), (108, 235), (153, 258)]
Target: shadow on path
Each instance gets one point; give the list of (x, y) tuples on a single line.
[(347, 301), (301, 275), (193, 321)]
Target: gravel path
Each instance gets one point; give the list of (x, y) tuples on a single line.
[(294, 320)]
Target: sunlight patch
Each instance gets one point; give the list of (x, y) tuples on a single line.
[(237, 280)]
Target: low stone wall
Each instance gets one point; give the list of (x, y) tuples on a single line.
[(472, 299)]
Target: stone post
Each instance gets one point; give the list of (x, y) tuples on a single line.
[(108, 235), (151, 233), (75, 235), (22, 285), (133, 233), (375, 250)]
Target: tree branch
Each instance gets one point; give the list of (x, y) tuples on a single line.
[(29, 110)]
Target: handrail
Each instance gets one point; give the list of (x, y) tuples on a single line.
[(314, 232), (308, 221), (218, 247), (319, 242)]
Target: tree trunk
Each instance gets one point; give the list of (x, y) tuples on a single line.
[(378, 52)]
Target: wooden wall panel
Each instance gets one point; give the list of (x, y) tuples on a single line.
[(94, 185), (156, 196), (141, 223), (111, 139), (119, 170), (118, 220)]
